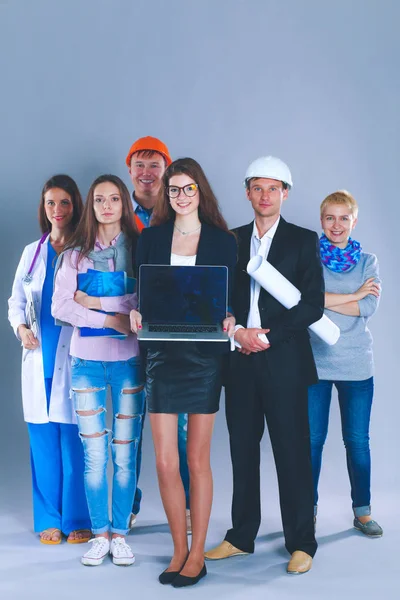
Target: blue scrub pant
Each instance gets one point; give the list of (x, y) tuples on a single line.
[(57, 476)]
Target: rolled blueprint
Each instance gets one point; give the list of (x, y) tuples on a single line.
[(287, 294)]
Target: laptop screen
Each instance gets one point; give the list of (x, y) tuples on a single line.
[(176, 295)]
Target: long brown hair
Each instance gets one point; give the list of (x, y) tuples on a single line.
[(209, 211), (86, 232), (66, 183)]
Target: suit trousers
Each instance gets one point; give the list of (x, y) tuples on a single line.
[(255, 394)]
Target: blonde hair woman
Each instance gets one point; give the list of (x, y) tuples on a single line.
[(352, 291)]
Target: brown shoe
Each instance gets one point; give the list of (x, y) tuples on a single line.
[(224, 550), (301, 562)]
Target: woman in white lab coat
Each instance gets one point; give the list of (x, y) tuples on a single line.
[(59, 502)]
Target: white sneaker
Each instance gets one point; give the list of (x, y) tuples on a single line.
[(97, 553), (121, 552)]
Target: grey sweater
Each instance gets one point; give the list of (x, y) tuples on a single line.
[(350, 359)]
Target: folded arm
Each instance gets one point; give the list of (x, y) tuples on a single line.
[(351, 309), (118, 304), (364, 301), (64, 307)]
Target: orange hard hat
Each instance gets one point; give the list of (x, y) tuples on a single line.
[(149, 143)]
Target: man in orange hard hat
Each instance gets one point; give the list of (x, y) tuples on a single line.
[(147, 160)]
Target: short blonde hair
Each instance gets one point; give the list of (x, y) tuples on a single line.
[(341, 197)]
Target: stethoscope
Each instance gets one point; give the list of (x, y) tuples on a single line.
[(28, 277)]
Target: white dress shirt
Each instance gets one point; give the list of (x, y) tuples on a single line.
[(258, 246), (183, 261)]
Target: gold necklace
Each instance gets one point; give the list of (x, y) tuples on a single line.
[(187, 232)]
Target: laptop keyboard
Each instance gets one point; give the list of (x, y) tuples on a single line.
[(184, 328)]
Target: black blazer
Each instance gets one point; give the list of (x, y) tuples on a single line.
[(216, 247), (295, 253)]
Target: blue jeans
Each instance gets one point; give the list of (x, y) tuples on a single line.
[(183, 465), (57, 476), (89, 390), (355, 401)]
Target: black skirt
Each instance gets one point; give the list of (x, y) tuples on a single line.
[(179, 379)]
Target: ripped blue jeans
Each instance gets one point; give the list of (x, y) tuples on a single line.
[(90, 379)]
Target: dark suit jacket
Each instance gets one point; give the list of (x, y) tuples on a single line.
[(216, 247), (294, 253)]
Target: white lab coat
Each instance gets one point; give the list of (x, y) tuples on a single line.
[(33, 388)]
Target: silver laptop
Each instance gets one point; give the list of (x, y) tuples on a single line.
[(183, 303)]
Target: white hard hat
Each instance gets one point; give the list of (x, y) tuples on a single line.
[(269, 167)]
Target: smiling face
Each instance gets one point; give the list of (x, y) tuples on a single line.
[(266, 196), (146, 175), (184, 205), (107, 203), (338, 222), (58, 207)]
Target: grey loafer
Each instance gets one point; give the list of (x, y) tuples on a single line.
[(370, 528)]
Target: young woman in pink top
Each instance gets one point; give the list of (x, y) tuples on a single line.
[(105, 240)]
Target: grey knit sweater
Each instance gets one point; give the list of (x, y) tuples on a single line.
[(350, 359)]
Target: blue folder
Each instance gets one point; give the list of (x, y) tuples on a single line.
[(104, 284)]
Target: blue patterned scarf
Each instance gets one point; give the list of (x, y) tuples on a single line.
[(339, 260)]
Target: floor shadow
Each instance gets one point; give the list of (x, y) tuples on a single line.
[(150, 528), (334, 537), (255, 570), (269, 537), (162, 560), (41, 567), (20, 538)]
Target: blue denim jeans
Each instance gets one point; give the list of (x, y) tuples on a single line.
[(89, 391), (355, 401), (183, 465)]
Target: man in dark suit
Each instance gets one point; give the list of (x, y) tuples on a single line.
[(270, 372)]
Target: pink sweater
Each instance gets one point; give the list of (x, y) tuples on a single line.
[(66, 309)]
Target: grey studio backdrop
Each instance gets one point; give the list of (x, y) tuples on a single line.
[(224, 81)]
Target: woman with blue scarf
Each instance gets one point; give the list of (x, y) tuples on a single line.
[(352, 287)]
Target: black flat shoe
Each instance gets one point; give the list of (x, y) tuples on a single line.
[(183, 580), (167, 577)]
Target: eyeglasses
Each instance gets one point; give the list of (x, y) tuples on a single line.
[(190, 190)]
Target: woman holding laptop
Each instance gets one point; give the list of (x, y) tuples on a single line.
[(187, 229)]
